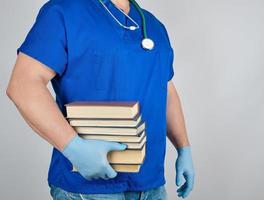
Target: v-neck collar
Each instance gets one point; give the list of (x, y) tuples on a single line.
[(133, 13), (125, 34)]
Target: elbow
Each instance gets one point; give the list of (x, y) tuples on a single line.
[(13, 90), (18, 90), (10, 92)]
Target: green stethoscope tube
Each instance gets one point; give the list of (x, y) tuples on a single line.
[(142, 17), (147, 43)]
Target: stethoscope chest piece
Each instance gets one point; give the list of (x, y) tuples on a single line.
[(147, 44)]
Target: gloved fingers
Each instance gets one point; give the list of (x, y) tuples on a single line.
[(96, 177), (186, 192), (100, 173), (85, 174), (181, 190), (180, 194), (89, 178), (179, 177), (187, 187), (109, 171), (105, 177), (116, 146)]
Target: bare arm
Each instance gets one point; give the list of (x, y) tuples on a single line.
[(28, 90), (176, 130)]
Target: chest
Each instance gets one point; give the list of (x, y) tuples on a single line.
[(104, 56)]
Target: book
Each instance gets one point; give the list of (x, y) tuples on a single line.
[(105, 122), (125, 161), (128, 156), (134, 145), (110, 130), (102, 109), (112, 121), (115, 138), (121, 168), (126, 168)]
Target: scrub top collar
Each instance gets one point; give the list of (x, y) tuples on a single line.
[(133, 13), (105, 1)]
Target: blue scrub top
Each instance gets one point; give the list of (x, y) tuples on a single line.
[(96, 59)]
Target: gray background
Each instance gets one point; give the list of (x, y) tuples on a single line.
[(219, 70)]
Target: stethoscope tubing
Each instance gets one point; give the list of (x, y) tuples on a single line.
[(147, 43), (144, 29), (126, 27)]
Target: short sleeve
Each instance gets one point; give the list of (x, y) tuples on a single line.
[(171, 70), (46, 40), (171, 56)]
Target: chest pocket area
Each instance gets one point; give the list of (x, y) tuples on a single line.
[(102, 72)]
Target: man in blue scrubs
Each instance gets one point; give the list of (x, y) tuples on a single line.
[(88, 56)]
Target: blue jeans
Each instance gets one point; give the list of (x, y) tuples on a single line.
[(158, 193)]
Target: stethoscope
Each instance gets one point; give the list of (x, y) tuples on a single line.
[(146, 42)]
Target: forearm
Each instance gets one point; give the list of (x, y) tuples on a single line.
[(38, 108), (176, 130), (178, 136), (34, 128)]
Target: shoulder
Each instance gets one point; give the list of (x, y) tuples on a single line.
[(63, 6), (157, 24), (63, 3), (153, 18)]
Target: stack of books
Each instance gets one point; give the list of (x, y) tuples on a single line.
[(112, 121)]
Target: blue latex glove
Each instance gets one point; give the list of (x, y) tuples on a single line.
[(90, 157), (184, 171)]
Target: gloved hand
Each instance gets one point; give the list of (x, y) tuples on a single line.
[(184, 170), (90, 157)]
